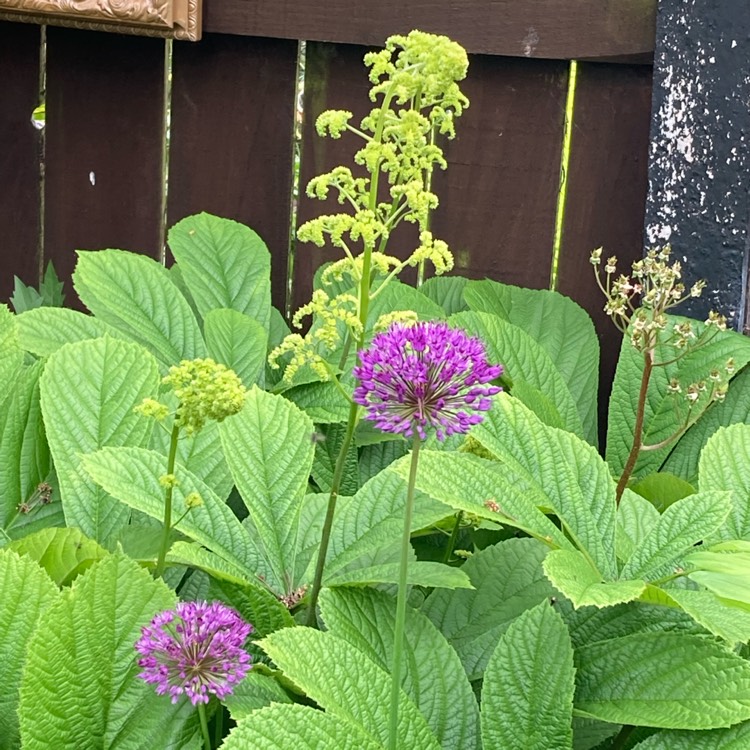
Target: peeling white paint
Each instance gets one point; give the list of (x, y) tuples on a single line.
[(530, 42)]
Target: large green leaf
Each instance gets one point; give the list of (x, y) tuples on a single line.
[(507, 579), (27, 592), (527, 693), (224, 264), (662, 489), (328, 442), (523, 358), (447, 291), (399, 296), (269, 450), (347, 684), (255, 691), (322, 402), (88, 392), (136, 295), (44, 330), (666, 680), (560, 326), (81, 661), (24, 454), (636, 517), (418, 573), (237, 341), (298, 728), (568, 472), (665, 413), (11, 354), (735, 738), (725, 465), (432, 675)]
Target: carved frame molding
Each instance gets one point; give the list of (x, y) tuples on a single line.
[(178, 19)]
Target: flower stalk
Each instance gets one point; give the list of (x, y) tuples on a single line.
[(168, 490)]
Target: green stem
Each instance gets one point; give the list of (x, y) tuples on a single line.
[(219, 726), (648, 366), (330, 511), (168, 501), (398, 641), (453, 537), (622, 737), (204, 726)]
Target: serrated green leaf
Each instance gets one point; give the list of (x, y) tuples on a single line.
[(432, 675), (572, 574), (735, 738), (507, 579), (533, 399), (63, 553), (329, 440), (560, 326), (11, 355), (523, 358), (24, 297), (81, 661), (132, 476), (378, 456), (419, 573), (136, 295), (24, 454), (347, 684), (322, 402), (636, 516), (399, 296), (682, 525), (237, 341), (269, 450), (44, 330), (562, 468), (224, 264), (298, 728), (51, 288), (726, 574), (527, 693), (665, 680), (664, 413), (725, 465), (253, 692), (27, 592), (88, 392), (662, 489), (589, 733), (447, 291)]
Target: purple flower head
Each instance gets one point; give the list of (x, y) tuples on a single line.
[(194, 649), (413, 378)]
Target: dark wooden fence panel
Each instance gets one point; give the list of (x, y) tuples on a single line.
[(104, 147), (19, 157), (232, 135), (607, 183)]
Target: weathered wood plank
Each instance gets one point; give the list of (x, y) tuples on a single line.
[(104, 146), (19, 157), (553, 29), (231, 138)]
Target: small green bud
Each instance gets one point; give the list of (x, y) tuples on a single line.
[(193, 500), (150, 407), (168, 481)]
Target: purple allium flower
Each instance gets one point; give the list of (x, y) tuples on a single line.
[(194, 649), (412, 378)]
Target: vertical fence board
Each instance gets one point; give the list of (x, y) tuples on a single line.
[(607, 183), (104, 146), (231, 137), (19, 156)]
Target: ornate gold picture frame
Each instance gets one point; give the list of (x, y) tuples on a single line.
[(179, 19)]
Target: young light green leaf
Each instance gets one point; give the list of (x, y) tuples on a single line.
[(534, 400), (682, 525), (419, 573), (347, 684), (44, 330), (63, 553), (27, 592), (662, 489), (725, 465), (300, 728), (734, 738), (572, 574), (726, 574), (527, 693), (88, 392), (522, 358), (560, 326), (269, 449), (432, 675), (566, 471), (11, 355), (508, 579), (81, 661), (665, 680), (237, 341), (224, 264), (447, 291), (636, 516), (136, 295), (253, 692)]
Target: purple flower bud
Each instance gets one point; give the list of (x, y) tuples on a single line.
[(195, 649), (422, 377)]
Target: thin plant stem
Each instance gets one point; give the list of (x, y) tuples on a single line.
[(398, 640), (204, 726), (622, 737), (648, 366), (168, 501), (453, 537), (219, 726), (330, 512)]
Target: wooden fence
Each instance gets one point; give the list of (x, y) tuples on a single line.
[(233, 115)]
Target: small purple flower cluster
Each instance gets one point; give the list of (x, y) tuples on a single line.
[(195, 649), (413, 378)]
